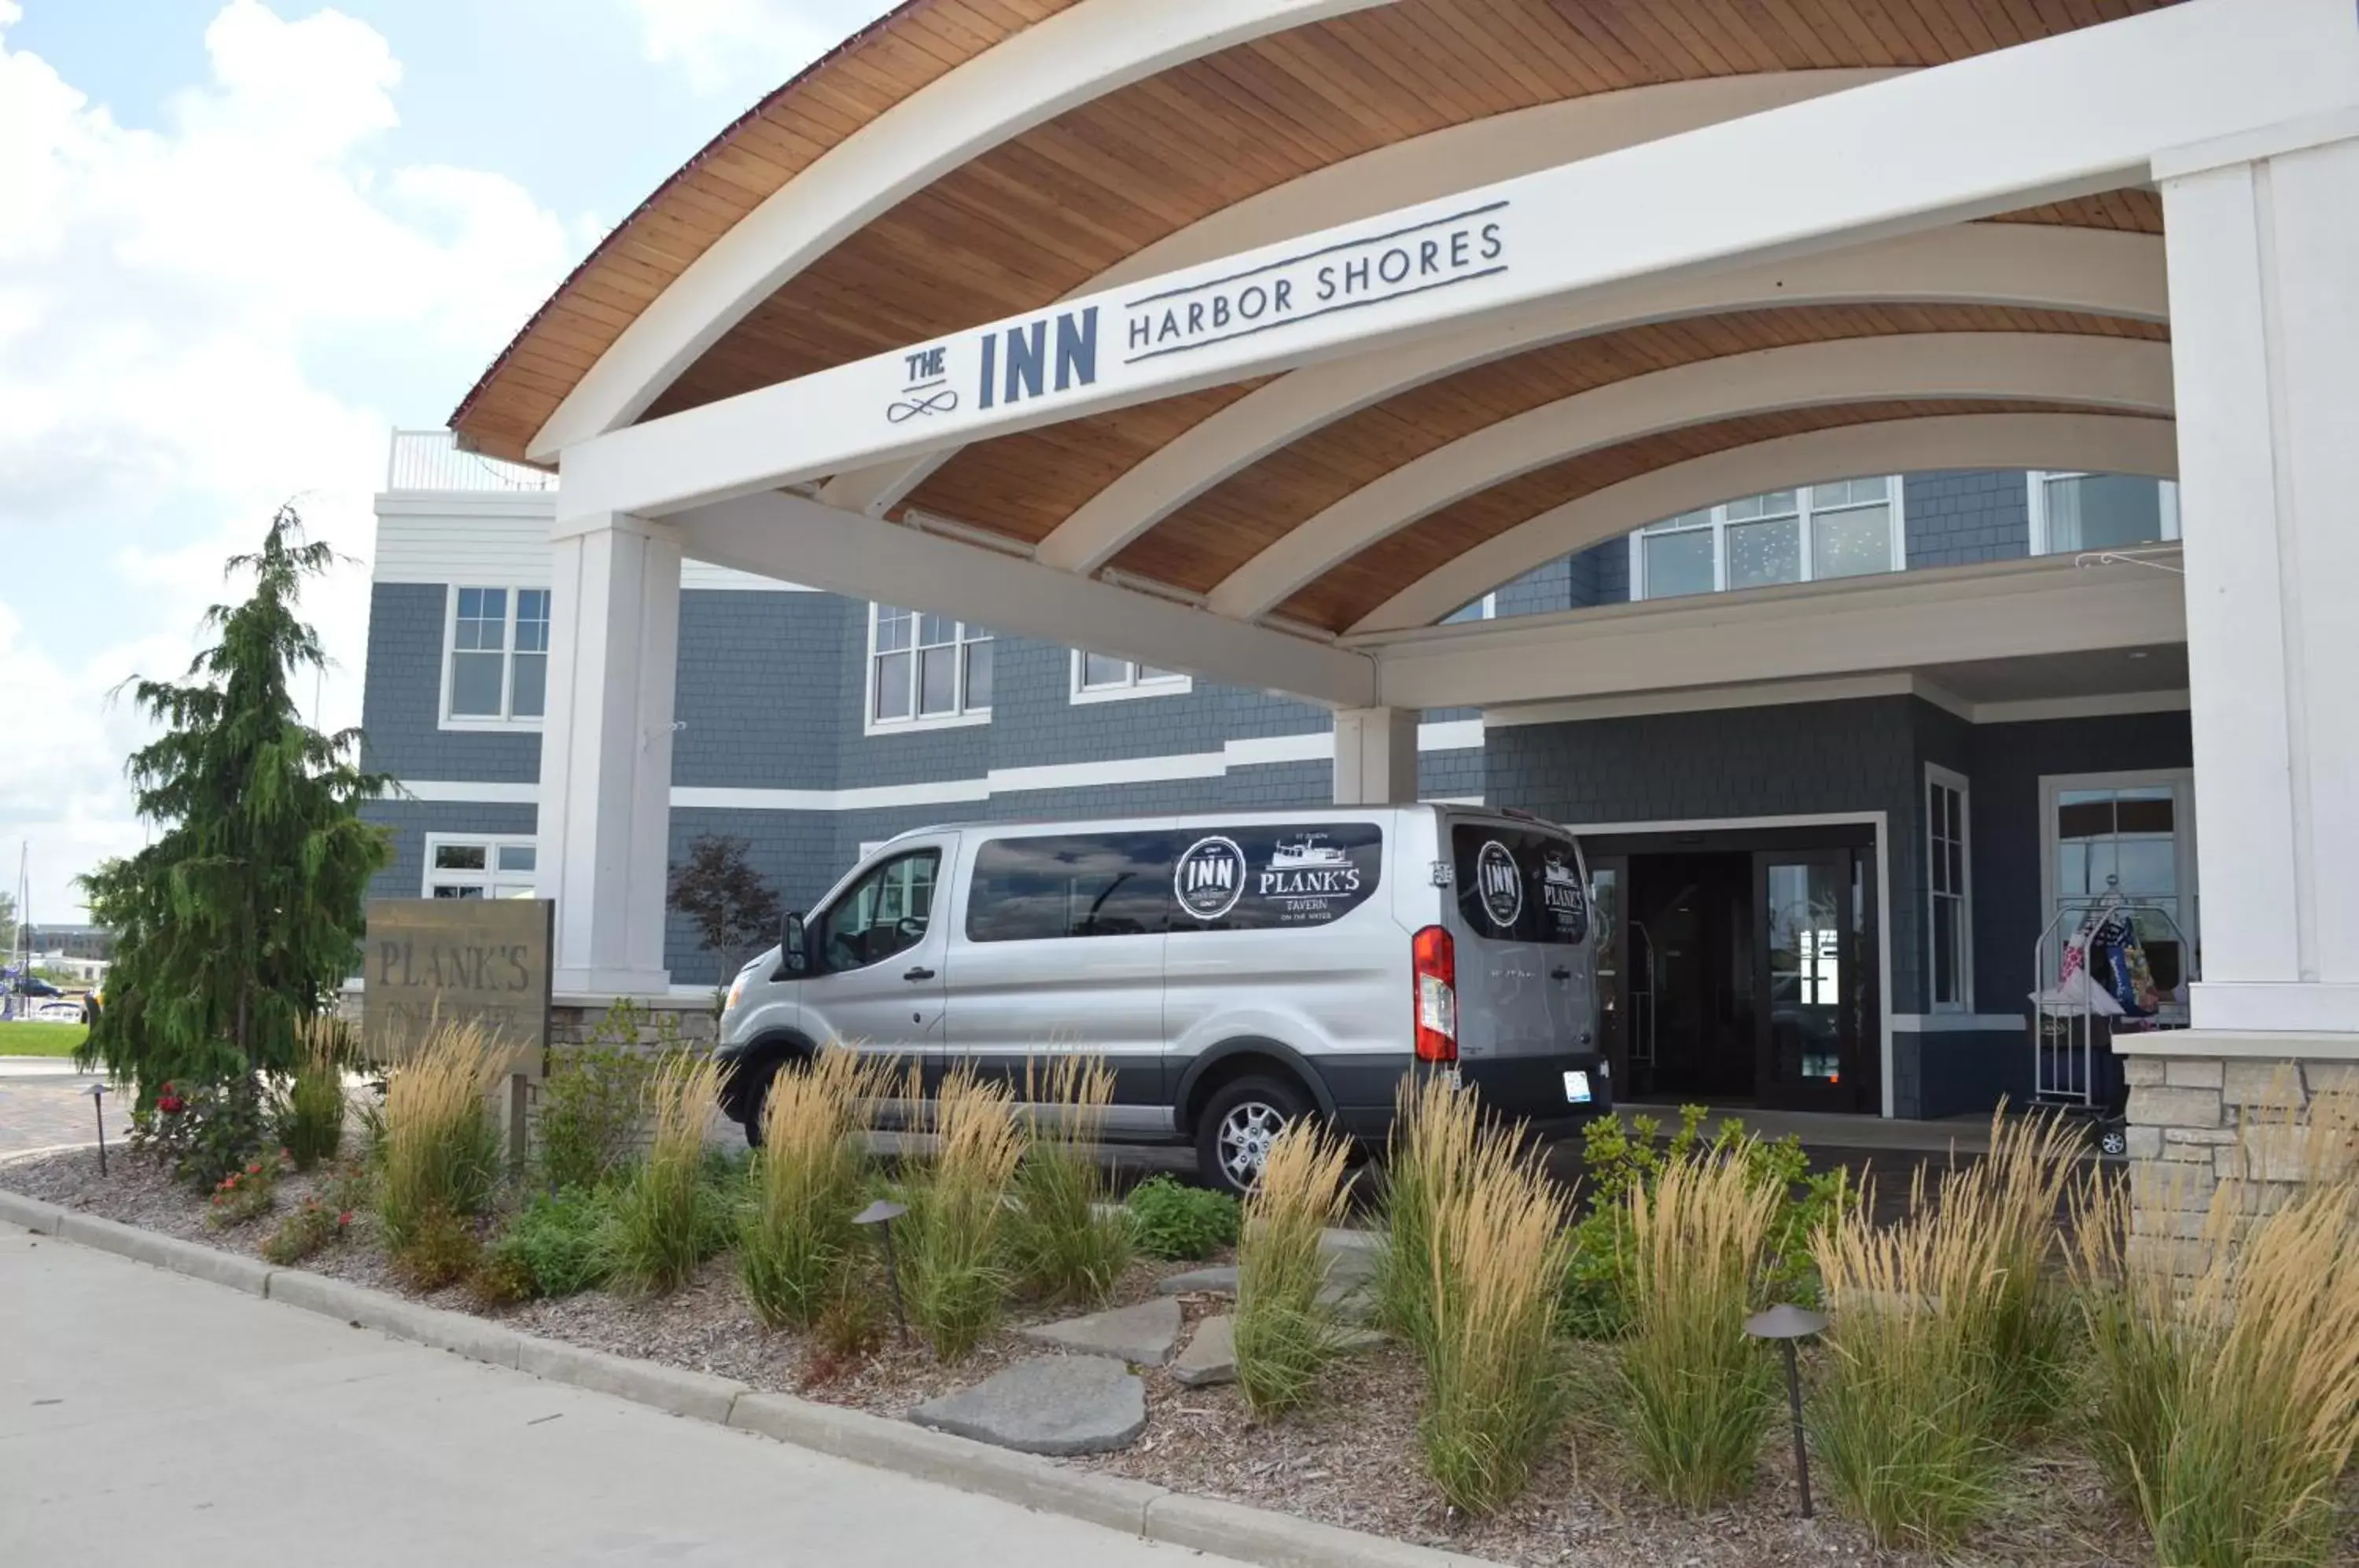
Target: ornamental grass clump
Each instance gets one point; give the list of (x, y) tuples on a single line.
[(1284, 1335), (795, 1239), (439, 1151), (667, 1217), (1907, 1413), (1697, 1394), (1064, 1241), (950, 1252), (2001, 1213), (1439, 1150), (2226, 1368), (311, 1108), (1494, 1383)]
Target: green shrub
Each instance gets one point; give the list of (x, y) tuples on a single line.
[(795, 1239), (953, 1281), (667, 1217), (306, 1232), (556, 1245), (441, 1249), (1622, 1158), (1697, 1394), (594, 1097), (438, 1155), (1171, 1220), (310, 1110), (246, 1194), (1064, 1244), (204, 1133), (1285, 1334), (1495, 1392)]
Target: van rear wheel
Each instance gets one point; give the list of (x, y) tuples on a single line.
[(1239, 1123)]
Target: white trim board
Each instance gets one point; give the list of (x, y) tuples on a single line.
[(1834, 689), (1957, 1023), (502, 542), (1877, 819)]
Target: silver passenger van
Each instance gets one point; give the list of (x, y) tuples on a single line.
[(1234, 971)]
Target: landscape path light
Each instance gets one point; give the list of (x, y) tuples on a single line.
[(1785, 1324), (882, 1213), (97, 1093)]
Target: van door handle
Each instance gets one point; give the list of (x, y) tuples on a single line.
[(1560, 974), (920, 972)]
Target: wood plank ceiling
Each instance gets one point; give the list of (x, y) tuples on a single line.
[(1041, 216)]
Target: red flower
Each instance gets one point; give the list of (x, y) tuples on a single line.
[(345, 1218), (171, 1105), (255, 1169)]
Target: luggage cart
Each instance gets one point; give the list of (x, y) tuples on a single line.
[(2073, 1020)]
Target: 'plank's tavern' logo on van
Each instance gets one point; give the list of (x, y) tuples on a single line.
[(1210, 879), (1561, 895), (1501, 883), (1304, 867)]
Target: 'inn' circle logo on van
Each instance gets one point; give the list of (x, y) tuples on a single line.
[(1501, 883), (1210, 879)]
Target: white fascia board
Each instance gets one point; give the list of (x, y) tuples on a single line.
[(845, 553), (1026, 80), (2103, 372), (1861, 627), (2022, 266), (2077, 113), (465, 791), (2108, 443)]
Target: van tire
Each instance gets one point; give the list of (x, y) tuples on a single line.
[(1238, 1122), (755, 1097)]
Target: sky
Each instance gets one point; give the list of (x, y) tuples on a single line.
[(240, 242)]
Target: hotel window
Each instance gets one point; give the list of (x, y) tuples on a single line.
[(1846, 529), (1098, 678), (2132, 834), (471, 867), (496, 658), (1948, 875), (2076, 512), (926, 671)]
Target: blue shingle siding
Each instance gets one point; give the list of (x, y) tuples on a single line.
[(1964, 517), (1538, 592), (401, 703), (759, 691), (1605, 570)]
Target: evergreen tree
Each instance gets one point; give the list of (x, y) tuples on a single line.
[(246, 912)]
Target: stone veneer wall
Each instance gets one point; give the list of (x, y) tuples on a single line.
[(2197, 1121)]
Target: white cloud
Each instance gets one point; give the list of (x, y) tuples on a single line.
[(747, 46), (173, 307)]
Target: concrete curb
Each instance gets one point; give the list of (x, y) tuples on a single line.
[(1139, 1507)]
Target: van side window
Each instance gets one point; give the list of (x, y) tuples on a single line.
[(1516, 885), (883, 913), (1027, 890)]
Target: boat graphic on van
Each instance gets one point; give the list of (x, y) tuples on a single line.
[(1306, 853)]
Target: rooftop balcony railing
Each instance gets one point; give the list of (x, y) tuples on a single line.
[(431, 460)]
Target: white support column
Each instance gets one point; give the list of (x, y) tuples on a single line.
[(1376, 757), (2263, 235), (605, 751)]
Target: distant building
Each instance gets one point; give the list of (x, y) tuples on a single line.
[(46, 940)]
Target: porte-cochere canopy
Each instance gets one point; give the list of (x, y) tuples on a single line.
[(965, 160)]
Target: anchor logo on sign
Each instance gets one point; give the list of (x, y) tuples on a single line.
[(928, 391)]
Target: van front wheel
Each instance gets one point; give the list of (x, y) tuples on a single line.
[(1239, 1123)]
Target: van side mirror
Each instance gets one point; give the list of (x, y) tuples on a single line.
[(794, 950)]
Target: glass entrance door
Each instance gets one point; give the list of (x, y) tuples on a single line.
[(1814, 984)]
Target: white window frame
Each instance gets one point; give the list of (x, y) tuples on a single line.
[(491, 878), (1490, 610), (1962, 787), (965, 636), (1718, 522), (504, 720), (2181, 784), (2037, 480), (1138, 682)]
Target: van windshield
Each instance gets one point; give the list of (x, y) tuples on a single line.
[(1518, 884)]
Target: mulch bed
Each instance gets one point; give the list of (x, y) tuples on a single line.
[(1350, 1460)]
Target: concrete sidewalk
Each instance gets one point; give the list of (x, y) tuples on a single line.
[(146, 1416)]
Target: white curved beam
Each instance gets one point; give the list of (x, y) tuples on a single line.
[(2110, 372), (1027, 78), (2027, 266), (2109, 443), (1440, 163)]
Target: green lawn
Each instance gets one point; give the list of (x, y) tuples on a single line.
[(40, 1039)]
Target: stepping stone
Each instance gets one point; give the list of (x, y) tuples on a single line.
[(1052, 1404), (1212, 1356), (1143, 1335), (1221, 1280)]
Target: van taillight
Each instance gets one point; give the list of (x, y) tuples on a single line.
[(1435, 959)]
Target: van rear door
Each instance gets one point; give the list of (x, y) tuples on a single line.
[(1520, 922)]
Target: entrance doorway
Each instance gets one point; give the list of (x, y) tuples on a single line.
[(1740, 966)]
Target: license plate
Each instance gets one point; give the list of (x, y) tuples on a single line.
[(1576, 1088)]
